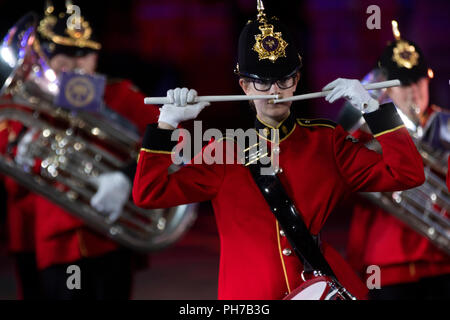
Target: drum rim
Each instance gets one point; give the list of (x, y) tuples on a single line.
[(307, 284)]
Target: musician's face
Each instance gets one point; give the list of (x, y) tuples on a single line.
[(411, 98), (266, 110), (64, 63)]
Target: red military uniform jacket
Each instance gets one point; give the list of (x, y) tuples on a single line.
[(59, 236), (319, 163), (378, 238), (20, 202)]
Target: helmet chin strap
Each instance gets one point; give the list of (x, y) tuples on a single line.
[(412, 111)]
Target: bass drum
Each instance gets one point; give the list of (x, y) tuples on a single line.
[(318, 288)]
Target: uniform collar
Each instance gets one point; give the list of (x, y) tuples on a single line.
[(283, 130)]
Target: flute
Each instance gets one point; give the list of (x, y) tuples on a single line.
[(369, 86), (164, 100), (272, 98)]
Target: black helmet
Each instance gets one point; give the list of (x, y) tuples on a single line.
[(403, 59), (266, 50)]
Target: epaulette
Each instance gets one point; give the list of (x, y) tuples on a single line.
[(316, 122)]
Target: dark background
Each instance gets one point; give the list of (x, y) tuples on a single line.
[(161, 44)]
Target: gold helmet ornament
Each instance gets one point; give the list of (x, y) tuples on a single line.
[(66, 31), (403, 59), (266, 50)]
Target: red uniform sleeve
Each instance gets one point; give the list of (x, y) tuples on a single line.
[(400, 165), (124, 98), (154, 187)]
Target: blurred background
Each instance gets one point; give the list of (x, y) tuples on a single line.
[(161, 44)]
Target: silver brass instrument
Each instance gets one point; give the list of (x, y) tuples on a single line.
[(65, 145), (425, 209)]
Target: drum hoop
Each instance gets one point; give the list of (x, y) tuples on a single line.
[(306, 284)]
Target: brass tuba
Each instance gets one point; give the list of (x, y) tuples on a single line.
[(64, 144), (424, 209)]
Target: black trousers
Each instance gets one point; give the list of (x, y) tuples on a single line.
[(433, 288), (29, 283), (108, 277)]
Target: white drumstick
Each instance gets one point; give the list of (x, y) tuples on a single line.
[(370, 86), (165, 100)]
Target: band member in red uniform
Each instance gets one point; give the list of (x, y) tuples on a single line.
[(411, 266), (318, 164), (20, 222), (61, 239)]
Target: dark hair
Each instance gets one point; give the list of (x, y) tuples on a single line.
[(252, 105), (250, 102)]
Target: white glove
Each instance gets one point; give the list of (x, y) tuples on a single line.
[(112, 194), (178, 110), (22, 157), (353, 92)]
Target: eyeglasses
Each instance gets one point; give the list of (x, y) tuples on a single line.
[(261, 85)]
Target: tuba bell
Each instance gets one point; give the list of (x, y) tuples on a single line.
[(426, 208), (67, 146)]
